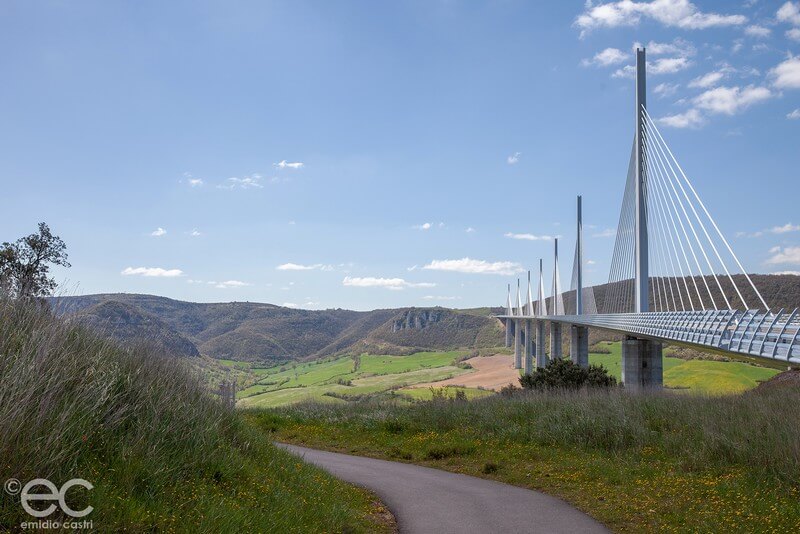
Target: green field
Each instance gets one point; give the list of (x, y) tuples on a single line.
[(337, 380), (698, 376)]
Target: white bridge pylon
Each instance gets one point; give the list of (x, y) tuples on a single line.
[(673, 274)]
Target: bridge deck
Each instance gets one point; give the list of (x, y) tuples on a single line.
[(775, 336)]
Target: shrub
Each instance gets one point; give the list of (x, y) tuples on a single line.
[(564, 374)]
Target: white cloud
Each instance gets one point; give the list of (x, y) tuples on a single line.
[(299, 267), (529, 237), (468, 265), (283, 164), (513, 158), (151, 272), (195, 233), (780, 255), (731, 100), (395, 284), (665, 89), (754, 30), (192, 181), (795, 273), (248, 182), (591, 262), (788, 227), (787, 74), (671, 13), (678, 47), (158, 232), (423, 226), (470, 230), (664, 65), (608, 232), (289, 305), (688, 119), (607, 57), (789, 12), (231, 283), (794, 114), (793, 34), (708, 80), (436, 297), (412, 268)]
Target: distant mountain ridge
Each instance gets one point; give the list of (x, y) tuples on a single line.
[(265, 332)]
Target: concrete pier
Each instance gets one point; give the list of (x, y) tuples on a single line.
[(530, 347), (517, 345), (509, 331), (579, 345), (555, 340), (642, 364), (541, 357)]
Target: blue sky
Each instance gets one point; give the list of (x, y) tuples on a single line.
[(380, 154)]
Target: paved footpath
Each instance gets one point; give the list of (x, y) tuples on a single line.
[(425, 500)]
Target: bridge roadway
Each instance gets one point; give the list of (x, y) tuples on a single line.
[(774, 336)]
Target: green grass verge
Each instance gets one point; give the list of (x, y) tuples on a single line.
[(163, 456), (425, 394), (638, 463)]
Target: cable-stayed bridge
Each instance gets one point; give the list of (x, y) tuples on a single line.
[(673, 277)]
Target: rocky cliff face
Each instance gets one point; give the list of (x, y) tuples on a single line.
[(416, 320)]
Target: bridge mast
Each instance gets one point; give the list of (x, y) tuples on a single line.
[(579, 254), (642, 275)]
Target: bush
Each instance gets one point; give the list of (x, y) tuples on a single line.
[(564, 374)]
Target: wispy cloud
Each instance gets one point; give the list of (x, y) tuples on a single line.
[(300, 267), (794, 115), (671, 13), (732, 100), (470, 230), (664, 65), (528, 237), (228, 284), (191, 180), (252, 181), (793, 34), (438, 297), (793, 273), (151, 272), (283, 164), (395, 284), (158, 232), (471, 266), (786, 228), (607, 57), (195, 232), (608, 232), (691, 118), (760, 32), (423, 226), (665, 89), (790, 255), (513, 158)]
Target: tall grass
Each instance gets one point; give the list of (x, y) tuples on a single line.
[(758, 431), (162, 454)]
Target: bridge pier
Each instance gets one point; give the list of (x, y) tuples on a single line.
[(642, 364), (541, 357), (509, 324), (555, 340), (517, 345), (579, 345), (530, 346)]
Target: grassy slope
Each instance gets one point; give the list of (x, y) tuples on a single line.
[(700, 376), (670, 462), (162, 455)]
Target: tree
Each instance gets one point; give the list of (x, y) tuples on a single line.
[(25, 264), (564, 374)]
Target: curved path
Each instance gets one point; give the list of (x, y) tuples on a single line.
[(429, 500)]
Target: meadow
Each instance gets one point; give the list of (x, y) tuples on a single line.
[(339, 380), (667, 462)]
